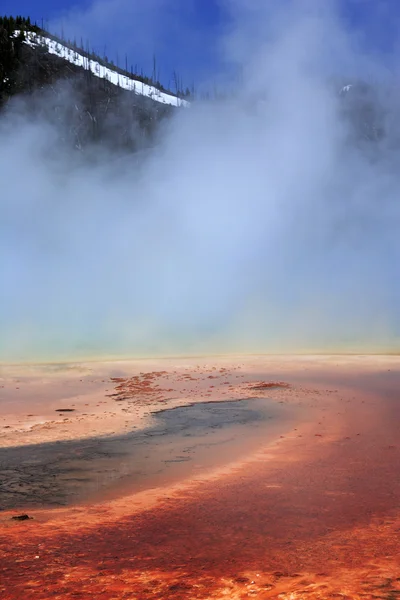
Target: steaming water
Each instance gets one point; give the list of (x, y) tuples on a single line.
[(254, 225), (181, 443)]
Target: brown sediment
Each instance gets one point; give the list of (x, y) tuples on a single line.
[(315, 514), (268, 385)]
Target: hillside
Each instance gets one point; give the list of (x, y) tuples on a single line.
[(92, 100)]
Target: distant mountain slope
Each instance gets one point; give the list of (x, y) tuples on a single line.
[(93, 102), (79, 59), (363, 106), (88, 100)]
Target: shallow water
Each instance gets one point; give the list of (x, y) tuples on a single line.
[(179, 443)]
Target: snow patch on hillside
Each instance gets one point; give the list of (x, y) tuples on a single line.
[(126, 83), (346, 88)]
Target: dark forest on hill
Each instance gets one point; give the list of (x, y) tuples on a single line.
[(88, 109)]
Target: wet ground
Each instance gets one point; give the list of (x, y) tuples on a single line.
[(179, 441), (312, 516)]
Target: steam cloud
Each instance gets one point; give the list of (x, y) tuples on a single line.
[(255, 225)]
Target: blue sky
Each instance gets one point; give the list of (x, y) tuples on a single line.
[(184, 35)]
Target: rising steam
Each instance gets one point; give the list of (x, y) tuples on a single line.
[(256, 224)]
